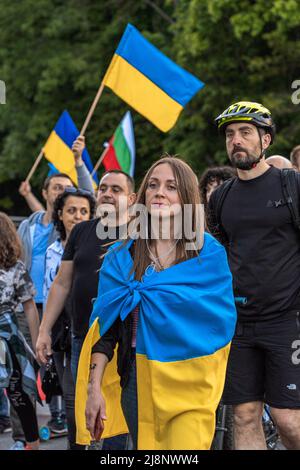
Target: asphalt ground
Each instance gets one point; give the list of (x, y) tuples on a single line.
[(57, 443)]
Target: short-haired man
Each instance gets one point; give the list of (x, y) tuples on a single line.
[(38, 232), (279, 162), (78, 273), (263, 247), (79, 270)]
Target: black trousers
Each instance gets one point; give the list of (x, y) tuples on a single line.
[(22, 403)]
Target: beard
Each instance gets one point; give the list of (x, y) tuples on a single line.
[(243, 161)]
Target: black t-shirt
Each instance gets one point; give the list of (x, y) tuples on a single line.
[(264, 246), (84, 248)]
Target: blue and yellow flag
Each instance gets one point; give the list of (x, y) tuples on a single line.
[(149, 81), (186, 322), (57, 149)]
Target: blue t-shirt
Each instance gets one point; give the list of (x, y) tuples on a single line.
[(39, 247)]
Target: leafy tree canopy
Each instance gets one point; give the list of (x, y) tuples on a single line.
[(54, 53)]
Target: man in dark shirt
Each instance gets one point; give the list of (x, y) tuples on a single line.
[(82, 259), (263, 247), (77, 278)]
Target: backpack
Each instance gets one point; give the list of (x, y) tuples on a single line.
[(290, 189)]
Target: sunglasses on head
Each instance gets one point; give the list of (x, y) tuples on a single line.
[(78, 191)]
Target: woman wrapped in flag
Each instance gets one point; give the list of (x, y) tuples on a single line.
[(165, 304)]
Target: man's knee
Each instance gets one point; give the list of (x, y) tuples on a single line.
[(247, 414), (287, 421)]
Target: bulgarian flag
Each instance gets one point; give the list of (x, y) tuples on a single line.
[(120, 153)]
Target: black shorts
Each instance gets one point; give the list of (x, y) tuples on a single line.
[(264, 363)]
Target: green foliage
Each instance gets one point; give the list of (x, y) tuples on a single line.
[(6, 203), (242, 50), (54, 53)]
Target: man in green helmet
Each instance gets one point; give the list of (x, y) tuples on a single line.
[(252, 217)]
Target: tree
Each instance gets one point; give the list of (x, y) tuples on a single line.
[(54, 54), (246, 50), (53, 57)]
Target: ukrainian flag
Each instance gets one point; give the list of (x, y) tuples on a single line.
[(57, 149), (149, 81), (186, 322)]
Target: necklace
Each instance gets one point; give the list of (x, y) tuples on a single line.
[(156, 261)]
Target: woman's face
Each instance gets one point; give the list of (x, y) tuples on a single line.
[(162, 192), (75, 210)]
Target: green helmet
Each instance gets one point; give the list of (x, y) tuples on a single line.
[(254, 113)]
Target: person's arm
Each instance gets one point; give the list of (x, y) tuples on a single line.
[(56, 300), (83, 175), (24, 293), (33, 320), (95, 411), (33, 203), (102, 353), (107, 343)]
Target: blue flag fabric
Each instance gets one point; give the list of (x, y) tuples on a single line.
[(186, 322), (58, 148), (201, 286)]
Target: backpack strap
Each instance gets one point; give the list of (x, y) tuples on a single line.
[(290, 189), (214, 220)]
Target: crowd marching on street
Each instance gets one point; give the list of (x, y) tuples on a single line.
[(140, 310)]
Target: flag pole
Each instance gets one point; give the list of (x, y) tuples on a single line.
[(92, 109), (100, 160), (35, 165)]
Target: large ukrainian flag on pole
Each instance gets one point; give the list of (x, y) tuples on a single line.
[(149, 81), (57, 149), (186, 322)]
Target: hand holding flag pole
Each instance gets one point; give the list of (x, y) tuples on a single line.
[(82, 132), (147, 80)]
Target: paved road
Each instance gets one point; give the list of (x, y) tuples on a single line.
[(59, 443)]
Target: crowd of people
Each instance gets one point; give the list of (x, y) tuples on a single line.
[(149, 325)]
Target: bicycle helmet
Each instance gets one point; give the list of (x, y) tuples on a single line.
[(254, 113)]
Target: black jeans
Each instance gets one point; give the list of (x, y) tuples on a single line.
[(63, 366), (129, 403), (22, 403), (17, 429)]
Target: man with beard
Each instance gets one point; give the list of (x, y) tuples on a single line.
[(263, 244)]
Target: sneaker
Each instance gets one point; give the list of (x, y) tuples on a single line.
[(5, 425), (18, 445), (57, 425)]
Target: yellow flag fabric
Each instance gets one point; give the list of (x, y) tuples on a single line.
[(58, 148), (186, 322), (111, 389), (149, 81)]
